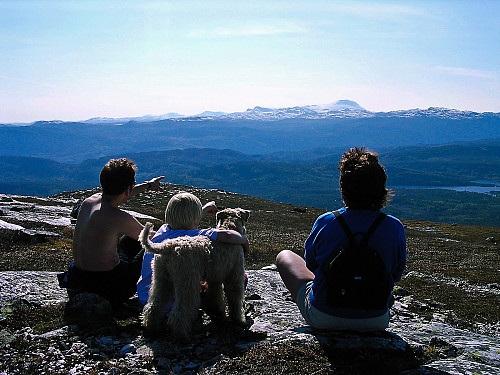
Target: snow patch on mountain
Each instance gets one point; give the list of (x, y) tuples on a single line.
[(452, 114), (335, 106), (338, 109), (122, 120)]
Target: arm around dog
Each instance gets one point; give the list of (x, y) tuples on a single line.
[(231, 236)]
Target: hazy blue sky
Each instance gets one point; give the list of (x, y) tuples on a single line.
[(73, 60)]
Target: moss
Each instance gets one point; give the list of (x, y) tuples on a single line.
[(53, 255), (41, 318), (287, 358)]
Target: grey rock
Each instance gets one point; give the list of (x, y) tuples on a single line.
[(105, 341), (129, 348), (273, 319), (88, 309), (6, 337), (191, 366), (34, 286), (56, 334)]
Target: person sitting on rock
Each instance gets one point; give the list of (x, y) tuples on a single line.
[(107, 255), (362, 185)]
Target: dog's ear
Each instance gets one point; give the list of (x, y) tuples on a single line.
[(245, 214), (220, 216)]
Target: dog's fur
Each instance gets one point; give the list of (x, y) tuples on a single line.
[(181, 263)]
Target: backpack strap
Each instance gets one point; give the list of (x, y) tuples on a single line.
[(381, 216), (344, 226), (368, 233)]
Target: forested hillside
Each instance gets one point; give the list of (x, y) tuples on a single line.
[(303, 178)]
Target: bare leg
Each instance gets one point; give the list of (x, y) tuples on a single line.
[(293, 271)]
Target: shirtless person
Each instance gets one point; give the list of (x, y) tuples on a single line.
[(101, 229)]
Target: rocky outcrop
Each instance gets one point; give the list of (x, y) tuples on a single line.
[(412, 344), (41, 333)]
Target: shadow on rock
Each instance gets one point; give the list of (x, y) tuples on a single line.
[(89, 310), (366, 353), (212, 340)]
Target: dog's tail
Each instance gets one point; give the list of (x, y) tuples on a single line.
[(155, 248)]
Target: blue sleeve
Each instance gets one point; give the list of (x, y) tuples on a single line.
[(311, 243), (210, 233), (402, 259), (310, 253), (401, 253)]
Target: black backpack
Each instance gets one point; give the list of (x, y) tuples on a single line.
[(357, 277)]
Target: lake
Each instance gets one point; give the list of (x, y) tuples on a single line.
[(492, 188)]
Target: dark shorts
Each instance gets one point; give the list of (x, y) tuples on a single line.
[(116, 285)]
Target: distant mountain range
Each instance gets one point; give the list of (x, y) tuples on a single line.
[(285, 154), (346, 109), (256, 131), (338, 109)]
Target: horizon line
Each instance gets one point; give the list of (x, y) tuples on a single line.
[(176, 115)]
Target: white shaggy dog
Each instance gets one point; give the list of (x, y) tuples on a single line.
[(181, 263)]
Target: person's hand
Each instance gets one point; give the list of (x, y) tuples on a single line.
[(154, 183), (210, 208)]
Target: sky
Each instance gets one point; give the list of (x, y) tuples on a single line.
[(74, 60)]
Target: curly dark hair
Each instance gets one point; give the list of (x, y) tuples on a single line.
[(117, 176), (362, 180)]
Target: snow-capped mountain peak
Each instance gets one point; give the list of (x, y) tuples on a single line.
[(338, 109), (338, 105)]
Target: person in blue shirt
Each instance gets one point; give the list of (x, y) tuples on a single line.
[(364, 194)]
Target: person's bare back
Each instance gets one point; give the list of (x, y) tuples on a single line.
[(100, 225)]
